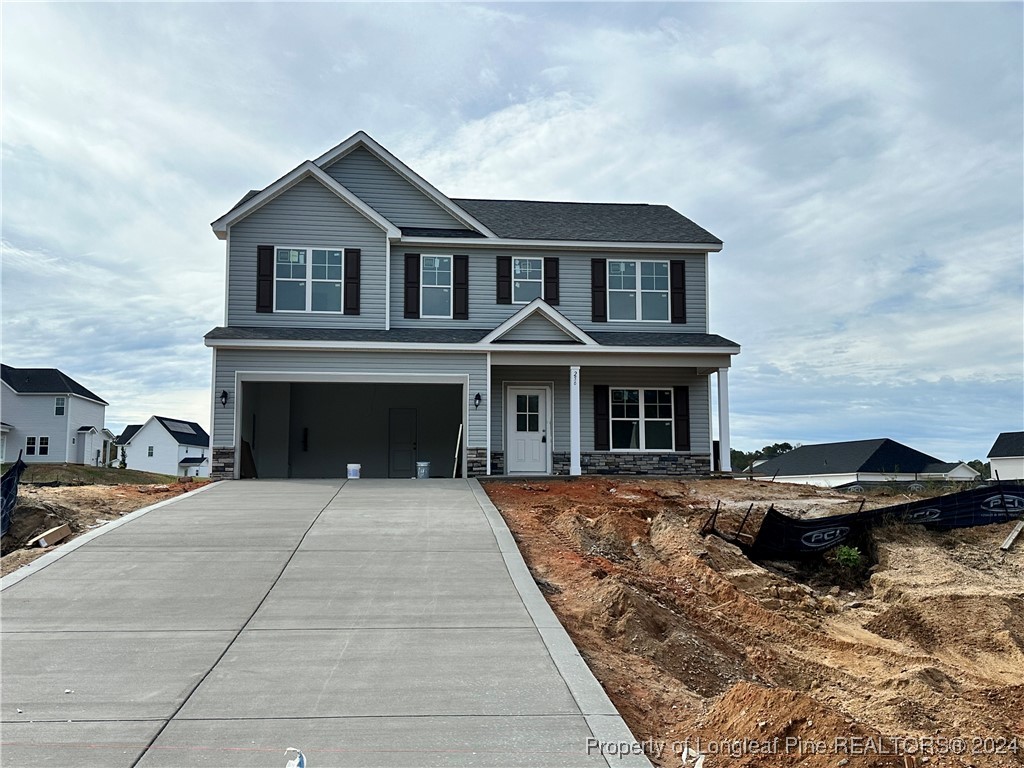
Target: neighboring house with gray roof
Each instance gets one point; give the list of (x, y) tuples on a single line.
[(51, 418), (1006, 458), (856, 463), (167, 446), (372, 320)]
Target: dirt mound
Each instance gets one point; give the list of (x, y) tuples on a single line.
[(693, 640)]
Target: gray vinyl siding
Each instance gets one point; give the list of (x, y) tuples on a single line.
[(389, 194), (303, 361), (538, 328), (574, 289), (700, 418), (700, 425), (308, 214)]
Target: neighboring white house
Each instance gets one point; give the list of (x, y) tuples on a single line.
[(855, 462), (167, 446), (51, 418), (1006, 458)]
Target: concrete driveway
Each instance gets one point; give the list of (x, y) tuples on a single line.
[(368, 623)]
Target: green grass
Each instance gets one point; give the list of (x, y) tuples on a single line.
[(76, 474)]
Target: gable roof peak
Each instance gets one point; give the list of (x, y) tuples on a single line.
[(44, 381), (540, 308)]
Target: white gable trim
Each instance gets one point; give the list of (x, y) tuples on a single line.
[(542, 308), (308, 170), (363, 139), (588, 245)]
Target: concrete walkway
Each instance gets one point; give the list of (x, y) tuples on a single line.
[(368, 623)]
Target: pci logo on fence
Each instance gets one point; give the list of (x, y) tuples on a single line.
[(1003, 503), (825, 537), (923, 515)]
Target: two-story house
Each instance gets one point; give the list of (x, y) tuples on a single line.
[(372, 320), (167, 446), (51, 418)]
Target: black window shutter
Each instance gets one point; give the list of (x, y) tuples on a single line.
[(412, 285), (264, 278), (598, 290), (678, 285), (352, 281), (602, 423), (504, 280), (551, 280), (681, 403), (460, 287)]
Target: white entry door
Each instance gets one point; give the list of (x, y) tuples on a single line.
[(527, 449)]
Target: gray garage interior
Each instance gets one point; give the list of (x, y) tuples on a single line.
[(303, 429)]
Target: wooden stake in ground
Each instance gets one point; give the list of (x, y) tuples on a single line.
[(1005, 546)]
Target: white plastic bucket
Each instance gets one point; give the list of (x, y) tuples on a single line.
[(353, 471), (422, 470)]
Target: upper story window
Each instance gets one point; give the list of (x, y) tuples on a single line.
[(59, 405), (638, 290), (436, 286), (527, 280), (308, 280)]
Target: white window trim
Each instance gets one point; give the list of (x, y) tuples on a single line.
[(63, 405), (149, 451), (525, 258), (309, 280), (642, 419), (451, 286), (639, 291)]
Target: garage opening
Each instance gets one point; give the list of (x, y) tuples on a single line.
[(310, 429)]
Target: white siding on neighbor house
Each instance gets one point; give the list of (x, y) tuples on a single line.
[(574, 290), (1008, 467), (167, 452), (33, 416), (393, 363), (388, 193), (700, 439), (308, 215), (86, 413)]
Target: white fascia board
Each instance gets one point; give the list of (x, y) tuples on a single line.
[(564, 245), (308, 169), (539, 307), (104, 403), (475, 349), (363, 139)]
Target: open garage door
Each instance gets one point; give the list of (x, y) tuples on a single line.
[(314, 429)]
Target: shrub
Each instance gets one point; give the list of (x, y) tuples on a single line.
[(848, 557)]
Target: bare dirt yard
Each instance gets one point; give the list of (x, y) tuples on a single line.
[(82, 507), (693, 641)]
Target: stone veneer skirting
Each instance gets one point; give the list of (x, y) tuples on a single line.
[(223, 467)]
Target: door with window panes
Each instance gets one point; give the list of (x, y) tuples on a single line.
[(527, 449)]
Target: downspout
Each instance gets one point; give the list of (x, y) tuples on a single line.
[(487, 414), (387, 282)]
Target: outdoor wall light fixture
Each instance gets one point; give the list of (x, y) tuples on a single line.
[(476, 400), (224, 398)]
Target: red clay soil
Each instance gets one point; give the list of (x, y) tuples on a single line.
[(692, 641)]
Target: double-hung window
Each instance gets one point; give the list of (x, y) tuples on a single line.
[(308, 279), (37, 446), (527, 280), (436, 286), (638, 290), (59, 404), (641, 419), (149, 451)]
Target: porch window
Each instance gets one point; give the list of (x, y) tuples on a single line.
[(527, 280), (436, 286), (59, 404), (638, 290), (308, 280), (641, 419)]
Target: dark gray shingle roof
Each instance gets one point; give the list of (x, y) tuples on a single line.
[(880, 455), (197, 436), (44, 381), (455, 336), (605, 222), (189, 460), (128, 433), (1007, 444)]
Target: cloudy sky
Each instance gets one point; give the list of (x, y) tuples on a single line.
[(862, 162)]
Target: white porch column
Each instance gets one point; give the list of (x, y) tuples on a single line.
[(574, 421), (723, 419)]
